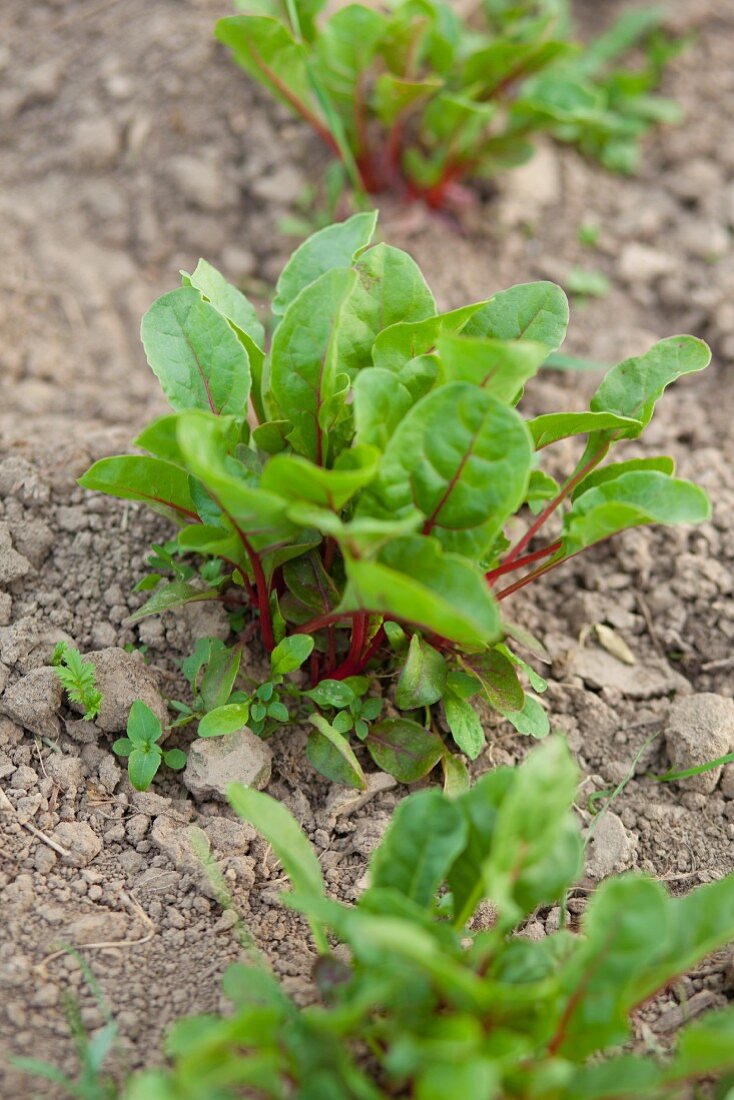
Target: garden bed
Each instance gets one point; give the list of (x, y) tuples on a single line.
[(103, 201)]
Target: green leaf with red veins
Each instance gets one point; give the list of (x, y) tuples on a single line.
[(498, 367), (414, 581), (403, 748), (390, 288), (337, 245), (528, 311), (463, 458), (137, 477), (303, 362), (196, 355)]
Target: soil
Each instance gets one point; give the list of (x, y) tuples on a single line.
[(130, 146)]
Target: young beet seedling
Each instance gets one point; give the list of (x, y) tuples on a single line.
[(422, 1004), (357, 480), (140, 747), (412, 98), (78, 679)]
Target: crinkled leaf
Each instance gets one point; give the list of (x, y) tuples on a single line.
[(390, 288), (633, 388), (463, 458), (333, 247), (424, 838), (137, 477), (528, 311), (403, 748), (332, 755), (423, 678), (195, 354), (413, 580), (498, 367)]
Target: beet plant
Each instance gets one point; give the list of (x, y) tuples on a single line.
[(412, 98), (359, 481), (419, 1002)]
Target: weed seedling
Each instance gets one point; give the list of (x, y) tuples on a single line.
[(140, 747), (78, 679), (365, 491)]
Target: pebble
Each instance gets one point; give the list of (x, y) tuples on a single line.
[(122, 678), (203, 183), (639, 263), (214, 763), (611, 848), (33, 701), (80, 840), (700, 728), (13, 565)]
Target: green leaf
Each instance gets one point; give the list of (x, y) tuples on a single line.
[(394, 96), (297, 478), (230, 301), (397, 344), (633, 499), (414, 581), (143, 726), (389, 288), (704, 1048), (174, 759), (403, 748), (380, 402), (633, 388), (498, 367), (175, 594), (662, 463), (465, 725), (331, 693), (219, 677), (281, 830), (535, 846), (123, 746), (267, 50), (196, 355), (332, 755), (551, 427), (467, 473), (529, 311), (258, 514), (137, 477), (423, 678), (531, 719), (290, 654), (142, 765), (498, 678), (303, 366), (223, 720), (455, 775), (337, 246), (424, 838)]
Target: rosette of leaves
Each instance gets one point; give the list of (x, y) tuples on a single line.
[(412, 98), (358, 475), (423, 1004)]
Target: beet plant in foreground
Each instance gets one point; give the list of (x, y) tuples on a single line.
[(359, 482), (412, 98), (423, 1007)]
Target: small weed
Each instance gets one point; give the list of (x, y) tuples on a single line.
[(78, 679)]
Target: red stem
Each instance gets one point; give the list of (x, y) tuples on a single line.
[(520, 563), (261, 586), (321, 621), (300, 108), (550, 508), (353, 660)]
